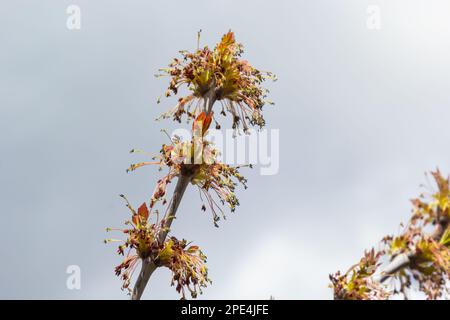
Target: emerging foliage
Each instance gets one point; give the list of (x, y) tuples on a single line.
[(356, 283), (424, 246)]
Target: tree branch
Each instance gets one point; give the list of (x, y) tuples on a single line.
[(405, 259), (398, 263), (148, 267)]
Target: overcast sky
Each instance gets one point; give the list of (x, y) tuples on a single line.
[(362, 115)]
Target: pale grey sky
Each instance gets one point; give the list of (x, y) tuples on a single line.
[(362, 115)]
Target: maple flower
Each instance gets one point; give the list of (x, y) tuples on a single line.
[(428, 254), (430, 263), (198, 160), (218, 75), (187, 263), (142, 241), (356, 283)]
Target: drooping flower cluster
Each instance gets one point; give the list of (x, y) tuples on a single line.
[(425, 242), (187, 263), (218, 75), (197, 159), (356, 283)]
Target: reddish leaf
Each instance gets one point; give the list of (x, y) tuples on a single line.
[(143, 211)]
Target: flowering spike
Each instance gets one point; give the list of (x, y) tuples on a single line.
[(218, 75)]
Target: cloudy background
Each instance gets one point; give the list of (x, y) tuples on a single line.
[(362, 115)]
